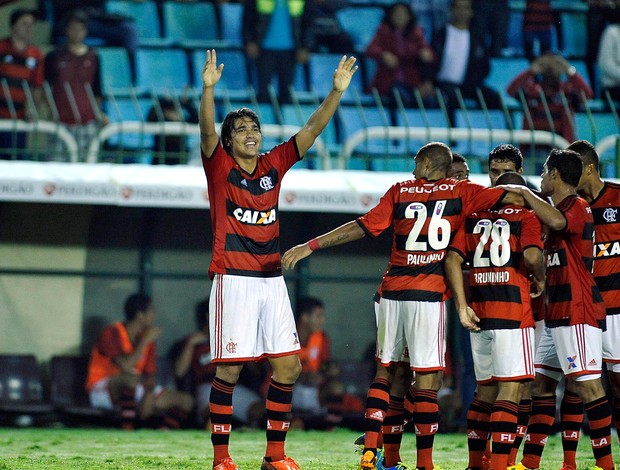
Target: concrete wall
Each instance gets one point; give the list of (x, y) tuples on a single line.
[(49, 314)]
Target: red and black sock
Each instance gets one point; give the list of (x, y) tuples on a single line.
[(478, 431), (220, 408), (426, 420), (525, 408), (279, 398), (129, 407), (393, 429), (599, 417), (503, 429), (571, 417), (538, 430), (377, 403)]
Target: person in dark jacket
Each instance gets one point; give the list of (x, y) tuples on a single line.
[(464, 61)]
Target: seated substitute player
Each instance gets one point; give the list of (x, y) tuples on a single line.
[(571, 343), (502, 248), (424, 213), (122, 370)]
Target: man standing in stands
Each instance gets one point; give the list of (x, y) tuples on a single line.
[(250, 315), (21, 74)]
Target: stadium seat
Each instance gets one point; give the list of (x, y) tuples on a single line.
[(407, 117), (68, 395), (235, 78), (191, 24), (503, 71), (21, 388), (128, 147), (355, 118), (146, 19), (361, 22), (231, 15), (574, 34), (115, 70), (514, 35), (478, 119), (297, 115), (160, 70), (321, 68)]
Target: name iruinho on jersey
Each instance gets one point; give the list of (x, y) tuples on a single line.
[(427, 188), (249, 216), (426, 258), (492, 277)]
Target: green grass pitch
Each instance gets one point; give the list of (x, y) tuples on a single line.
[(72, 448)]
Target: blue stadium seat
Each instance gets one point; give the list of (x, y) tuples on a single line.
[(297, 115), (419, 118), (355, 118), (231, 15), (115, 70), (574, 34), (503, 71), (235, 81), (514, 35), (161, 70), (146, 19), (479, 119), (130, 109), (321, 68), (361, 23), (191, 24)]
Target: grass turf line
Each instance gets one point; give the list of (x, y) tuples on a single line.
[(71, 448)]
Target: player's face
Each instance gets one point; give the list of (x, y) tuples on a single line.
[(546, 186), (246, 138), (458, 171), (498, 168)]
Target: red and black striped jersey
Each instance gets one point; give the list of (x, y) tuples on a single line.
[(571, 294), (606, 214), (17, 67), (492, 243), (244, 211), (424, 216)]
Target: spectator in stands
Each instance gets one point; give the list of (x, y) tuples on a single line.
[(72, 71), (323, 30), (609, 58), (122, 369), (490, 22), (552, 90), (538, 27), (404, 59), (172, 149), (600, 14), (194, 373), (113, 29), (21, 74), (273, 35), (464, 61)]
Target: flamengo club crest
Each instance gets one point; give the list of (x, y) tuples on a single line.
[(265, 183), (610, 214), (231, 347)]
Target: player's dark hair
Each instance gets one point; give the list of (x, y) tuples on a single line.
[(438, 154), (507, 153), (587, 152), (229, 124), (201, 313), (136, 303), (458, 158), (568, 163), (511, 177), (306, 305)]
